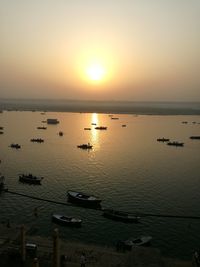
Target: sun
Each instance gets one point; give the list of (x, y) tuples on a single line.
[(95, 72)]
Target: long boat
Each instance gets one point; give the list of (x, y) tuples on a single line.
[(197, 137), (83, 199), (120, 216), (85, 146), (163, 139), (66, 220), (134, 242), (175, 143), (30, 179)]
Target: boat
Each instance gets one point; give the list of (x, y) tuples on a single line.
[(1, 128), (123, 125), (120, 216), (85, 146), (101, 128), (60, 133), (163, 139), (37, 140), (114, 118), (135, 242), (87, 128), (30, 179), (93, 123), (17, 146), (52, 121), (83, 199), (41, 128), (195, 137), (66, 220), (175, 143), (1, 132)]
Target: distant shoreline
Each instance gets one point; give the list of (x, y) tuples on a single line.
[(107, 107)]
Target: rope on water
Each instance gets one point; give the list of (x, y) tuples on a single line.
[(135, 213)]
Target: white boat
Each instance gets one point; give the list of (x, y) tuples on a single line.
[(66, 220), (139, 241), (83, 199)]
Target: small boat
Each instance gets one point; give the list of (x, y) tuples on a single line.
[(101, 128), (66, 220), (30, 179), (120, 216), (1, 132), (195, 137), (85, 146), (93, 123), (60, 133), (1, 128), (123, 125), (83, 199), (17, 146), (184, 122), (87, 128), (41, 128), (163, 139), (114, 118), (135, 242), (37, 140), (175, 143)]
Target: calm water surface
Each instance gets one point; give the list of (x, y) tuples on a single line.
[(127, 168)]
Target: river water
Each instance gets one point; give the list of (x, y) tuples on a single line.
[(127, 168)]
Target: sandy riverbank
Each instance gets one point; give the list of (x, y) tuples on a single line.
[(96, 256)]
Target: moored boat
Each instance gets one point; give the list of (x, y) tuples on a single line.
[(87, 128), (195, 137), (83, 199), (85, 146), (120, 216), (30, 179), (66, 220), (163, 139), (175, 143), (41, 128), (135, 242), (17, 146), (37, 140), (60, 133), (101, 128)]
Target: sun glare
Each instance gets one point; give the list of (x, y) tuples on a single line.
[(95, 72)]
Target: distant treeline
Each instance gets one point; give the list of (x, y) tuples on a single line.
[(126, 107)]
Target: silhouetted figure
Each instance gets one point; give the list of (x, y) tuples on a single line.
[(83, 260)]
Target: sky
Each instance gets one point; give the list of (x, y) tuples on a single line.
[(140, 50)]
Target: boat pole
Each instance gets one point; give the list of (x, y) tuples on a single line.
[(23, 248), (56, 248)]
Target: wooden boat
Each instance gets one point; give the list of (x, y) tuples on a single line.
[(30, 179), (17, 146), (1, 132), (101, 128), (37, 140), (85, 146), (123, 125), (163, 139), (1, 128), (135, 242), (197, 137), (87, 128), (41, 128), (83, 199), (114, 118), (120, 216), (60, 133), (66, 220), (175, 143)]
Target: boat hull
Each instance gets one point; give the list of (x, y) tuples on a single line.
[(120, 216), (95, 203), (58, 220)]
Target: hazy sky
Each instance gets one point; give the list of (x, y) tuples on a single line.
[(100, 49)]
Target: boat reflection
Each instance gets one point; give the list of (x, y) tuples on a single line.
[(94, 133)]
